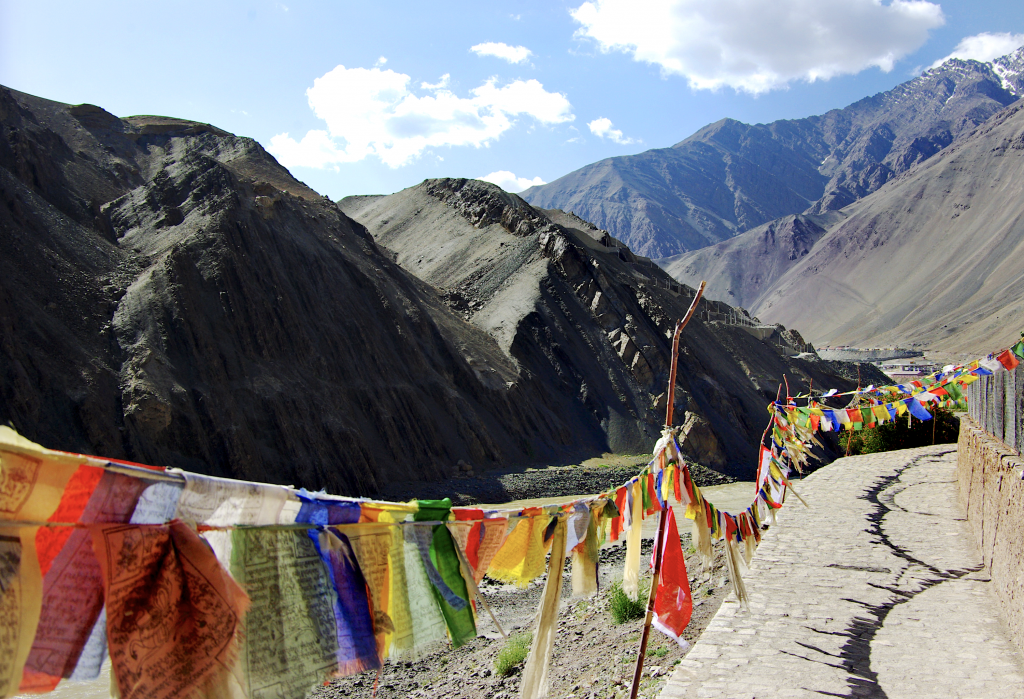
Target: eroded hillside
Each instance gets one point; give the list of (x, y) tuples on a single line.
[(569, 304)]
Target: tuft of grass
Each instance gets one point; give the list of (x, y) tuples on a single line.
[(657, 652), (513, 654), (625, 608), (582, 607)]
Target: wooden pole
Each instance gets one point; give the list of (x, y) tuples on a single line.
[(666, 512)]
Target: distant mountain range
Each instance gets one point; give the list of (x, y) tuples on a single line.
[(731, 177), (934, 257)]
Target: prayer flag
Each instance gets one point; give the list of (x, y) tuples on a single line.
[(918, 410), (620, 506), (673, 604), (357, 646), (290, 635), (1008, 360), (585, 556), (991, 364), (631, 568), (173, 612), (458, 615), (521, 558), (72, 583), (762, 469), (535, 682)]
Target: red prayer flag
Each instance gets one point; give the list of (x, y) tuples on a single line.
[(673, 604), (762, 469), (1008, 361), (620, 504)]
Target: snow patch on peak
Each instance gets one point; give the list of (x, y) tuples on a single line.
[(1010, 69)]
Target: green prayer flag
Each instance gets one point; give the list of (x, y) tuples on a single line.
[(290, 641), (1018, 349), (460, 622)]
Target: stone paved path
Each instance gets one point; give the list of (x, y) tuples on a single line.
[(877, 591)]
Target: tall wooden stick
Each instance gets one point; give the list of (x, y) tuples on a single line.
[(666, 512)]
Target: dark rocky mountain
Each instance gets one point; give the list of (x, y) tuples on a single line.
[(570, 305), (935, 257), (730, 177), (170, 294)]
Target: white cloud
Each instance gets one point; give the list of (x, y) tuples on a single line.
[(373, 112), (509, 182), (512, 54), (602, 128), (441, 84), (759, 46), (984, 47), (381, 62)]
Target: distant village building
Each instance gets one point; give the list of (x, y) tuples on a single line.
[(902, 372)]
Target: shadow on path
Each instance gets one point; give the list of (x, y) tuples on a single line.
[(855, 654)]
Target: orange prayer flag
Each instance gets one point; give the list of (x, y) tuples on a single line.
[(173, 612)]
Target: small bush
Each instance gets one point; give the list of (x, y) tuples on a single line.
[(625, 608), (657, 652), (897, 435), (517, 647)]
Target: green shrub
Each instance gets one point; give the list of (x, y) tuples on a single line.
[(657, 652), (517, 647), (625, 608), (897, 435)]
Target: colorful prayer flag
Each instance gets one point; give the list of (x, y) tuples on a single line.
[(673, 604)]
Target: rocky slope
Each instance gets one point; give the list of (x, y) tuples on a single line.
[(935, 257), (739, 269), (569, 306), (170, 294), (730, 177)]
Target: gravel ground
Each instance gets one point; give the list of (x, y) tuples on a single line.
[(594, 476)]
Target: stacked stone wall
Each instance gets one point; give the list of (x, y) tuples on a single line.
[(991, 492)]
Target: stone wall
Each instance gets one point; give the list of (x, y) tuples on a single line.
[(996, 403), (992, 493)]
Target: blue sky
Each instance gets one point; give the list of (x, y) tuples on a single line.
[(353, 97)]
